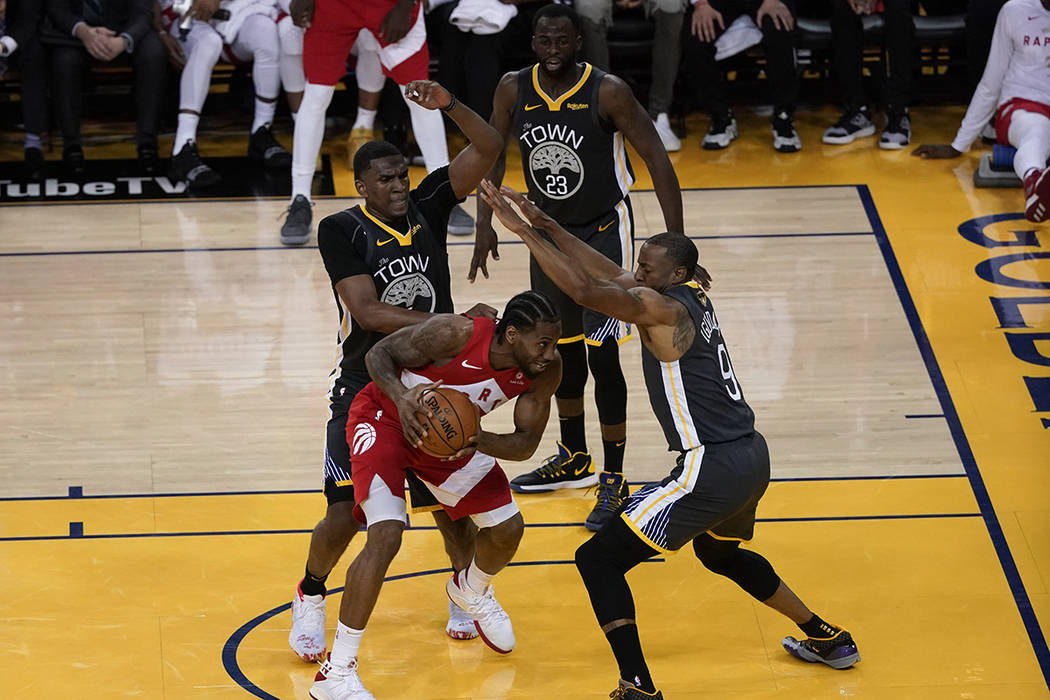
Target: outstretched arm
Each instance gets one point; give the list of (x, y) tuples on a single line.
[(435, 340), (584, 257), (485, 144), (531, 411), (628, 116), (568, 267), (485, 240)]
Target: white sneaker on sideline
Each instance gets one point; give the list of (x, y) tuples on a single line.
[(668, 138), (491, 621), (307, 636), (333, 683), (460, 623)]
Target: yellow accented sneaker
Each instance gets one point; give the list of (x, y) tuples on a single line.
[(564, 470)]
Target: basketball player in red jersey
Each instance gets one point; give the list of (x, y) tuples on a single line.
[(492, 363), (332, 28)]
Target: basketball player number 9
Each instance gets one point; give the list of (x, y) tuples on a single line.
[(557, 184), (732, 386)]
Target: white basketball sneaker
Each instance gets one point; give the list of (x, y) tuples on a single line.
[(491, 621), (333, 683), (307, 635), (667, 136), (460, 623)]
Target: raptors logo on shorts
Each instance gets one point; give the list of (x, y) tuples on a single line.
[(364, 438)]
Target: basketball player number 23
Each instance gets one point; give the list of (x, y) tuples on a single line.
[(727, 372), (556, 184)]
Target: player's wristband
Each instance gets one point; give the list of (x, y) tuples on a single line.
[(451, 103)]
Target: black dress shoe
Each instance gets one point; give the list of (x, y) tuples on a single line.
[(73, 159), (148, 158), (34, 164)]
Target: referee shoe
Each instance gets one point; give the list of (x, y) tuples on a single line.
[(565, 470), (838, 651)]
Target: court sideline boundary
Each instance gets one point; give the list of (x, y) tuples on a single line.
[(962, 444)]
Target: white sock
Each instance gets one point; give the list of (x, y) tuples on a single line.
[(264, 112), (309, 131), (429, 130), (344, 648), (366, 119), (476, 579), (186, 131)]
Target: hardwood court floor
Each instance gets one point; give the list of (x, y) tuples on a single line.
[(162, 408)]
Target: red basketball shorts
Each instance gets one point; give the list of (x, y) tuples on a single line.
[(337, 25), (473, 486), (1005, 113)]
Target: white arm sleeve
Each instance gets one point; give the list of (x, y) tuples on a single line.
[(986, 96)]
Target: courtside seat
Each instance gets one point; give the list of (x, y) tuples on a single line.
[(815, 33)]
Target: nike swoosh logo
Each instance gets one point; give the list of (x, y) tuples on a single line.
[(529, 108), (469, 366), (580, 471), (602, 228), (386, 241)]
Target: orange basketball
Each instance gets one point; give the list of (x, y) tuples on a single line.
[(454, 422)]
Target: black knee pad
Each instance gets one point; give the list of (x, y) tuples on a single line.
[(573, 370), (610, 387), (749, 570)]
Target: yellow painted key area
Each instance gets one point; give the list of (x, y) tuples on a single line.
[(162, 406)]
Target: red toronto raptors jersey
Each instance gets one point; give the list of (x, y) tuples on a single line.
[(469, 372)]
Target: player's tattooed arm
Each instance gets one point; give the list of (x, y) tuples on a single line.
[(436, 340), (684, 331)]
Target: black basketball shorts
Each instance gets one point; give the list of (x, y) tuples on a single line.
[(612, 235), (714, 488)]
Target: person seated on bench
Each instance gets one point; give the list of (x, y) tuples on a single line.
[(244, 32), (1015, 88), (20, 47), (77, 31)]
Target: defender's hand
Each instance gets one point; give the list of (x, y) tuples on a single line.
[(428, 94), (486, 243), (502, 209)]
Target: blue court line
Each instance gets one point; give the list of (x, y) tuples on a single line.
[(924, 415), (962, 444), (243, 249), (77, 492), (304, 531), (229, 649)]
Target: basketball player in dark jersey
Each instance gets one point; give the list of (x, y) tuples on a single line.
[(722, 470), (571, 121), (389, 269)]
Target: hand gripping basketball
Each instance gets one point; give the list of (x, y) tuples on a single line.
[(452, 423)]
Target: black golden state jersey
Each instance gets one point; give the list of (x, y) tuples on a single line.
[(697, 398), (575, 162), (408, 265)]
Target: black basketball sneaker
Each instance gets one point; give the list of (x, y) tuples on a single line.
[(838, 651), (612, 492), (565, 470)]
